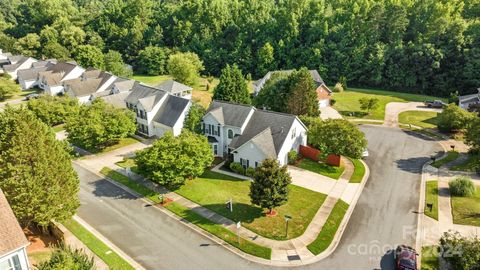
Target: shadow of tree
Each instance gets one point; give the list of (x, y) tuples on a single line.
[(104, 188), (241, 211), (420, 135), (413, 165)]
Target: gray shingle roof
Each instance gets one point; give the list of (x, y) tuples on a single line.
[(144, 94), (81, 88), (278, 124), (11, 235), (30, 74), (117, 100), (13, 67), (171, 110), (233, 114), (173, 87)]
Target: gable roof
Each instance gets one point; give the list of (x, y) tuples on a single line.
[(11, 235), (171, 110), (55, 73), (277, 124), (13, 67), (233, 114), (31, 73), (82, 88), (145, 95), (117, 100), (173, 87), (123, 84), (264, 142), (317, 79)]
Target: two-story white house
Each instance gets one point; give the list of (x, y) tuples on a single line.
[(51, 80), (28, 78), (248, 135), (13, 243), (175, 88), (157, 111), (18, 62)]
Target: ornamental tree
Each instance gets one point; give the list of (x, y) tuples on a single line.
[(369, 104), (99, 125), (337, 136), (232, 86), (36, 174), (269, 188), (453, 118), (171, 160)]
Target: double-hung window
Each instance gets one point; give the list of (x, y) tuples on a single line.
[(12, 263)]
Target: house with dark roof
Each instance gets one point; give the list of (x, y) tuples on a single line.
[(175, 88), (324, 94), (247, 135), (16, 63), (90, 82), (13, 243), (51, 80), (157, 111), (27, 78), (468, 101)]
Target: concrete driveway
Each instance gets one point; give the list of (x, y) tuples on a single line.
[(329, 113), (393, 109)]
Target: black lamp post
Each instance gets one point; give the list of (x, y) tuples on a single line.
[(287, 218)]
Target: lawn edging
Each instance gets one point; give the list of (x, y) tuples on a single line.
[(151, 197)]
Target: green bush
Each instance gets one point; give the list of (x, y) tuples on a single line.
[(237, 167), (462, 186), (67, 258), (338, 88), (292, 156), (250, 172)]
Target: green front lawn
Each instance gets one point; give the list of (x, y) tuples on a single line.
[(348, 102), (359, 171), (321, 168), (110, 257), (430, 258), (431, 196), (326, 235), (451, 156), (151, 80), (212, 190), (422, 119), (466, 210), (121, 143), (183, 212), (468, 165)]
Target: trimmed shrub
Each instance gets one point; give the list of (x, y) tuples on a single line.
[(65, 257), (250, 172), (292, 156), (237, 167), (338, 88), (462, 186)]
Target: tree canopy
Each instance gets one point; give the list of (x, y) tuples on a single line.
[(36, 174), (232, 86), (185, 67), (170, 161), (53, 110), (453, 118)]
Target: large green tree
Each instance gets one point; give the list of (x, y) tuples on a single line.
[(36, 174), (89, 56), (7, 87), (337, 136), (152, 60), (53, 110), (461, 252), (472, 136), (170, 161), (114, 64), (194, 118), (453, 118), (185, 67), (302, 97), (232, 86), (99, 125), (269, 188)]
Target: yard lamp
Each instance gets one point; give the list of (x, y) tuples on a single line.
[(453, 147), (287, 218)]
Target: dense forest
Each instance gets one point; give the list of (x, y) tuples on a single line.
[(422, 46)]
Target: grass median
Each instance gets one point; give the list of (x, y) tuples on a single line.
[(451, 156), (183, 212), (112, 259), (358, 172), (431, 196), (329, 229)]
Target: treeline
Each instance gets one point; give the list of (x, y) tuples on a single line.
[(422, 46)]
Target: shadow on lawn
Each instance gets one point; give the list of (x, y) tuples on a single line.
[(420, 135), (241, 211)]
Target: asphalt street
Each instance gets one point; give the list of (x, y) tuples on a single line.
[(384, 216)]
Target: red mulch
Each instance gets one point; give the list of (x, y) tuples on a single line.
[(39, 241), (271, 214)]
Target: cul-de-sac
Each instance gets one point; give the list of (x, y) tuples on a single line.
[(239, 134)]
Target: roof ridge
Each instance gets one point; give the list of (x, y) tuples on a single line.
[(233, 103)]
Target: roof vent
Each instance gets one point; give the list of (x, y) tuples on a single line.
[(281, 130)]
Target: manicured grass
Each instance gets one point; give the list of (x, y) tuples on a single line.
[(183, 212), (110, 257), (151, 80), (422, 119), (37, 257), (359, 171), (431, 196), (430, 258), (468, 165), (219, 231), (58, 128), (466, 210), (348, 101), (325, 237), (212, 190), (451, 156), (129, 163), (321, 168), (121, 143), (366, 122)]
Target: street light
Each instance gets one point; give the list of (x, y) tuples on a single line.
[(287, 218)]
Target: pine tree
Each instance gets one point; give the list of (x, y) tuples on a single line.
[(35, 170), (302, 98), (269, 188), (232, 86)]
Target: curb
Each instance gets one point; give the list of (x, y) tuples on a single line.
[(112, 246)]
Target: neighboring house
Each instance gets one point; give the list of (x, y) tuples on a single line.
[(157, 111), (52, 79), (4, 59), (468, 100), (248, 135), (175, 88), (18, 62), (27, 78), (324, 94), (116, 93), (13, 243), (92, 81)]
